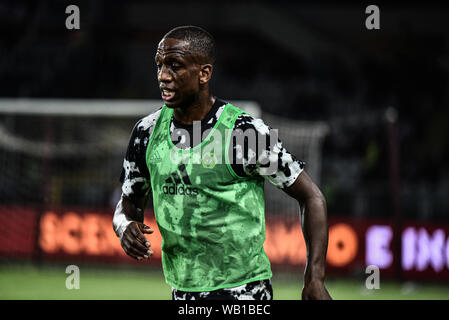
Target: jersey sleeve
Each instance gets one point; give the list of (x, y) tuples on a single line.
[(135, 176), (266, 156)]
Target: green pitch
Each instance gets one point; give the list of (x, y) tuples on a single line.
[(31, 282)]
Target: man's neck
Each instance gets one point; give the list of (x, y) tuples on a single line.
[(195, 111)]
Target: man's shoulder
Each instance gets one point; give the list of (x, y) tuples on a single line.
[(247, 121), (147, 123), (244, 118)]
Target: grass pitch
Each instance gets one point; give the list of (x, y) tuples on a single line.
[(49, 282)]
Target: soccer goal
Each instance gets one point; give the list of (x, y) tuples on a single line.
[(57, 152)]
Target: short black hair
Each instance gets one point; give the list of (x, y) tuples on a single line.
[(200, 41)]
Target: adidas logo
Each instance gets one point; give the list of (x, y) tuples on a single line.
[(155, 157), (177, 184)]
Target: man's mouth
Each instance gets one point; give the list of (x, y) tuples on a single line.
[(167, 94)]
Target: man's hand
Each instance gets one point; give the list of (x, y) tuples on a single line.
[(134, 242), (315, 290)]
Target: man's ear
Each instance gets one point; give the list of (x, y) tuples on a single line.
[(205, 73)]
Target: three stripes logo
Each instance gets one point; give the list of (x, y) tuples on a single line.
[(155, 157), (179, 184)]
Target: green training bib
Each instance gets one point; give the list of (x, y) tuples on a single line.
[(212, 221)]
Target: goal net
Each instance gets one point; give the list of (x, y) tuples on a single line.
[(303, 139)]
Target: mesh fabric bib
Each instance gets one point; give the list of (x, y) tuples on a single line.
[(212, 222)]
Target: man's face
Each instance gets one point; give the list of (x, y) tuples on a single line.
[(178, 72)]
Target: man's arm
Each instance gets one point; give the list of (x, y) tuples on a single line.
[(136, 185), (315, 230), (289, 175), (129, 227)]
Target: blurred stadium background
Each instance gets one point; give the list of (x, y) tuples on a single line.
[(367, 111)]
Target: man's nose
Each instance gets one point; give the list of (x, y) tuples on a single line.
[(164, 75)]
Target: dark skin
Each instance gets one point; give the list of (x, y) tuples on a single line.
[(315, 231), (133, 241), (183, 77)]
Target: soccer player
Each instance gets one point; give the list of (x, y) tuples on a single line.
[(209, 205)]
